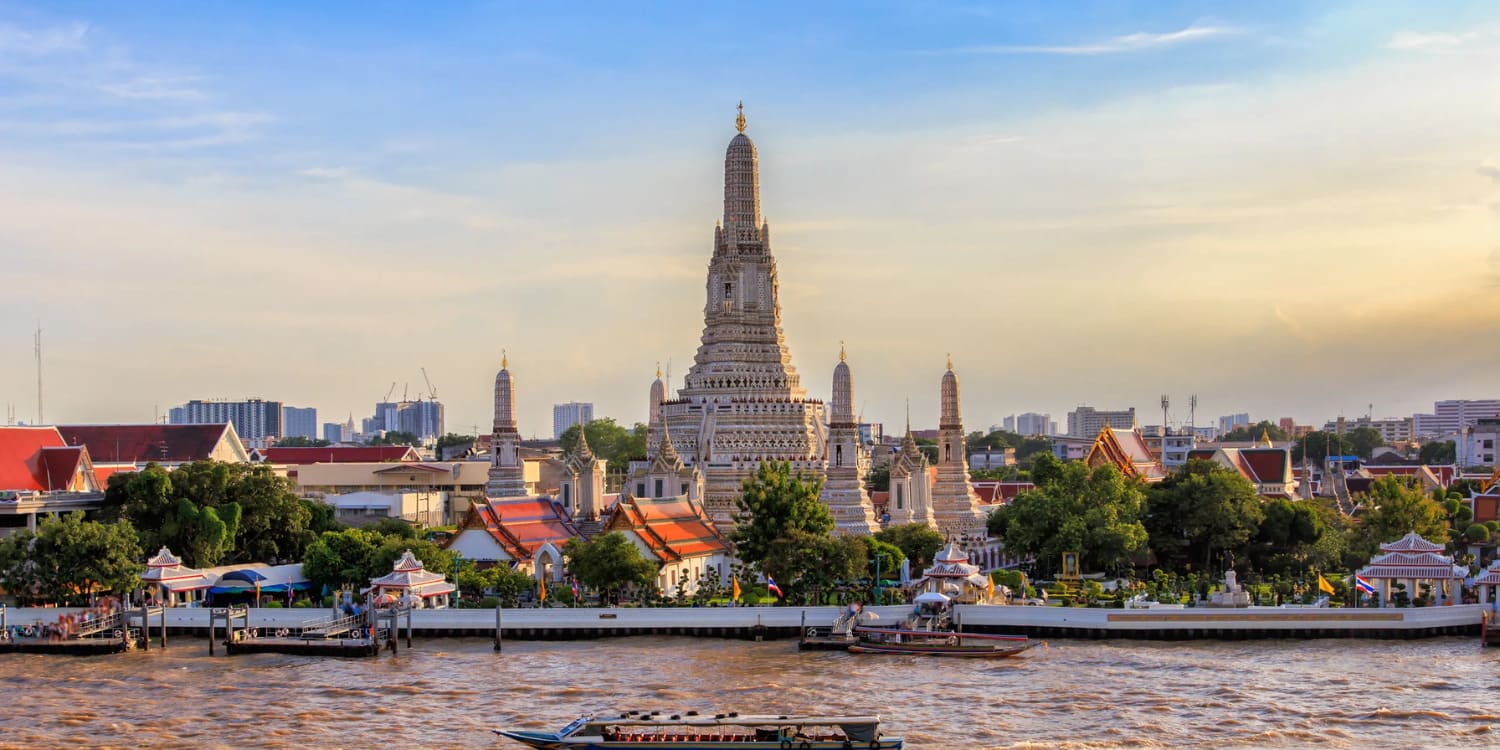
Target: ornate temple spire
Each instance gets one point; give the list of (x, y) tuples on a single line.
[(739, 122), (843, 393), (505, 397), (950, 412), (742, 184), (582, 451)]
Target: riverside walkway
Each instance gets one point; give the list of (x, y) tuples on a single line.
[(786, 622)]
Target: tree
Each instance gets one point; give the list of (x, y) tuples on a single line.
[(340, 557), (1395, 510), (396, 437), (1287, 539), (774, 503), (807, 564), (879, 479), (1202, 509), (1095, 513), (1438, 452), (1252, 433), (501, 581), (301, 441), (68, 560), (610, 564), (1364, 440), (888, 555), (453, 439), (918, 542), (609, 441), (274, 525), (391, 548)]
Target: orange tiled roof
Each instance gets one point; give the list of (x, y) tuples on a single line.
[(35, 459), (522, 525), (672, 527)]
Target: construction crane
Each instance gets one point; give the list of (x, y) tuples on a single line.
[(388, 393), (431, 392)]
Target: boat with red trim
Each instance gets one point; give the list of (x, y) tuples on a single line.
[(727, 731), (938, 643)]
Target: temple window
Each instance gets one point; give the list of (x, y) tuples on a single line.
[(640, 489), (658, 488), (567, 495), (900, 500)]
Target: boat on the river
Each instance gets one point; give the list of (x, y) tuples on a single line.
[(727, 731), (938, 643)]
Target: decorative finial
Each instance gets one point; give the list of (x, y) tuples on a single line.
[(504, 360), (658, 370), (841, 351), (950, 362), (739, 122)]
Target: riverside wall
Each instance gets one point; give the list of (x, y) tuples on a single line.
[(786, 622)]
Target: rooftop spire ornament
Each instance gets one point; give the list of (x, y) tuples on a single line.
[(739, 122)]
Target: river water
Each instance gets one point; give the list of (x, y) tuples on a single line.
[(1075, 694)]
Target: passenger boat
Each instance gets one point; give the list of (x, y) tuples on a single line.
[(731, 731), (938, 643)]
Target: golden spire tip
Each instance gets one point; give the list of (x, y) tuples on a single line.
[(739, 122), (841, 351), (950, 361), (504, 360)]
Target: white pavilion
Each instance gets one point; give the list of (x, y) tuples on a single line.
[(1413, 561), (953, 576), (1488, 581), (179, 586), (411, 583)]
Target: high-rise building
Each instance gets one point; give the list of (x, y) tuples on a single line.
[(1450, 417), (1086, 421), (1032, 423), (253, 419), (333, 432), (742, 401), (1392, 430), (569, 414), (296, 422), (1233, 422), (421, 418)]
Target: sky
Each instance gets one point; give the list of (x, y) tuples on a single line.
[(1287, 209)]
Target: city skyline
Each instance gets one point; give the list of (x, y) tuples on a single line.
[(1096, 210)]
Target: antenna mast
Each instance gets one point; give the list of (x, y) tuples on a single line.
[(1165, 402), (39, 372), (1193, 413)]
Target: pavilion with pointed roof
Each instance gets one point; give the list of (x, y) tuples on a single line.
[(1488, 583), (409, 581), (952, 575), (179, 586), (1128, 452), (1413, 561)]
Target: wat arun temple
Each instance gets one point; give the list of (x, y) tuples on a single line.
[(742, 401)]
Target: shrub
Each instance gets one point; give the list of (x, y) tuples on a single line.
[(274, 604)]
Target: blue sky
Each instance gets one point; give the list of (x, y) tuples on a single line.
[(1084, 202)]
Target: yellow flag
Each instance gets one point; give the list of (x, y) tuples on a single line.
[(1324, 585), (991, 587), (736, 581), (542, 586)]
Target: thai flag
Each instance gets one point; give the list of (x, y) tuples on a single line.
[(1364, 585), (772, 587), (575, 588)]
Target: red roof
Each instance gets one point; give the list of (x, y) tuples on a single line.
[(102, 472), (673, 527), (35, 459), (992, 492), (1267, 465), (521, 525), (336, 454), (1486, 508), (142, 443)]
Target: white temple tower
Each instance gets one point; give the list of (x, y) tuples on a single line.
[(582, 486), (507, 475), (910, 498), (844, 489), (955, 507), (742, 402)]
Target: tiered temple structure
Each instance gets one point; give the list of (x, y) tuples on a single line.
[(844, 489), (582, 487), (954, 577), (1414, 561), (742, 402), (507, 475), (955, 506), (910, 498)]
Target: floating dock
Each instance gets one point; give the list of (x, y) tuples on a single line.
[(364, 634), (87, 633)]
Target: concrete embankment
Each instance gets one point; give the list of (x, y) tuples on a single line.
[(786, 622)]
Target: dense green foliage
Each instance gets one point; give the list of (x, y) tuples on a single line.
[(69, 559), (1251, 433), (805, 564), (1201, 510), (1438, 452), (1026, 446), (302, 441), (774, 503), (504, 583), (1316, 445), (396, 437), (609, 441), (1095, 513), (918, 542), (210, 512), (354, 556), (610, 564)]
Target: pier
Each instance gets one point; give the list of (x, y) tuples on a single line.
[(364, 634), (79, 632)]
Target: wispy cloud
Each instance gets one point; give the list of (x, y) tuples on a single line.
[(1136, 42), (1491, 171), (1431, 41), (16, 41), (149, 88)]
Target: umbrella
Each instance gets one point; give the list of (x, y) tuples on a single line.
[(930, 597), (248, 575)]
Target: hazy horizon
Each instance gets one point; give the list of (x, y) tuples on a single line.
[(1286, 210)]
